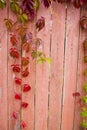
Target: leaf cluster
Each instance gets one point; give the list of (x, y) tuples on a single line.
[(2, 3)]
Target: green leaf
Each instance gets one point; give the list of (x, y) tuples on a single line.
[(48, 60), (36, 5), (17, 8), (20, 11), (84, 108), (84, 99), (85, 87), (41, 60), (34, 54), (21, 19), (15, 1), (84, 112), (37, 54), (85, 72), (84, 124), (2, 3), (25, 16), (41, 57), (14, 7)]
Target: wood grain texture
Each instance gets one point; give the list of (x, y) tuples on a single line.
[(51, 104), (42, 74), (13, 104), (3, 73), (57, 55), (70, 72), (81, 79)]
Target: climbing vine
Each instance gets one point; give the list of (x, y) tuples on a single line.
[(23, 43), (83, 100)]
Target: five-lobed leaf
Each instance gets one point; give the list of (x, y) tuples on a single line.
[(40, 57), (23, 18)]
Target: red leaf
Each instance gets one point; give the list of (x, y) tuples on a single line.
[(40, 23), (14, 53), (26, 88), (18, 81), (24, 104), (17, 96), (25, 61), (28, 7), (15, 68), (23, 124), (26, 47), (13, 39), (46, 3), (76, 94), (25, 73), (15, 115)]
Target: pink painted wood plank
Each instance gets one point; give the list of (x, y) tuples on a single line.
[(70, 72), (14, 105), (81, 79), (3, 72), (57, 55), (28, 113), (42, 74)]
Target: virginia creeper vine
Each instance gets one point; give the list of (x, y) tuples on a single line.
[(22, 41)]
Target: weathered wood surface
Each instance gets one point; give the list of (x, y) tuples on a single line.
[(51, 105)]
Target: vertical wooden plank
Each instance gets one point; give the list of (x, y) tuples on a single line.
[(81, 67), (3, 72), (70, 76), (13, 105), (28, 113), (57, 55), (42, 74)]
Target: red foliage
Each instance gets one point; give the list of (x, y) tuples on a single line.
[(15, 115), (25, 73), (24, 104), (26, 88), (76, 94), (28, 6), (14, 53), (23, 124), (26, 47), (40, 23), (17, 96), (18, 81), (25, 61), (15, 68), (13, 39)]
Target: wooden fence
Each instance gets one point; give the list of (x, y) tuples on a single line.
[(51, 104)]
